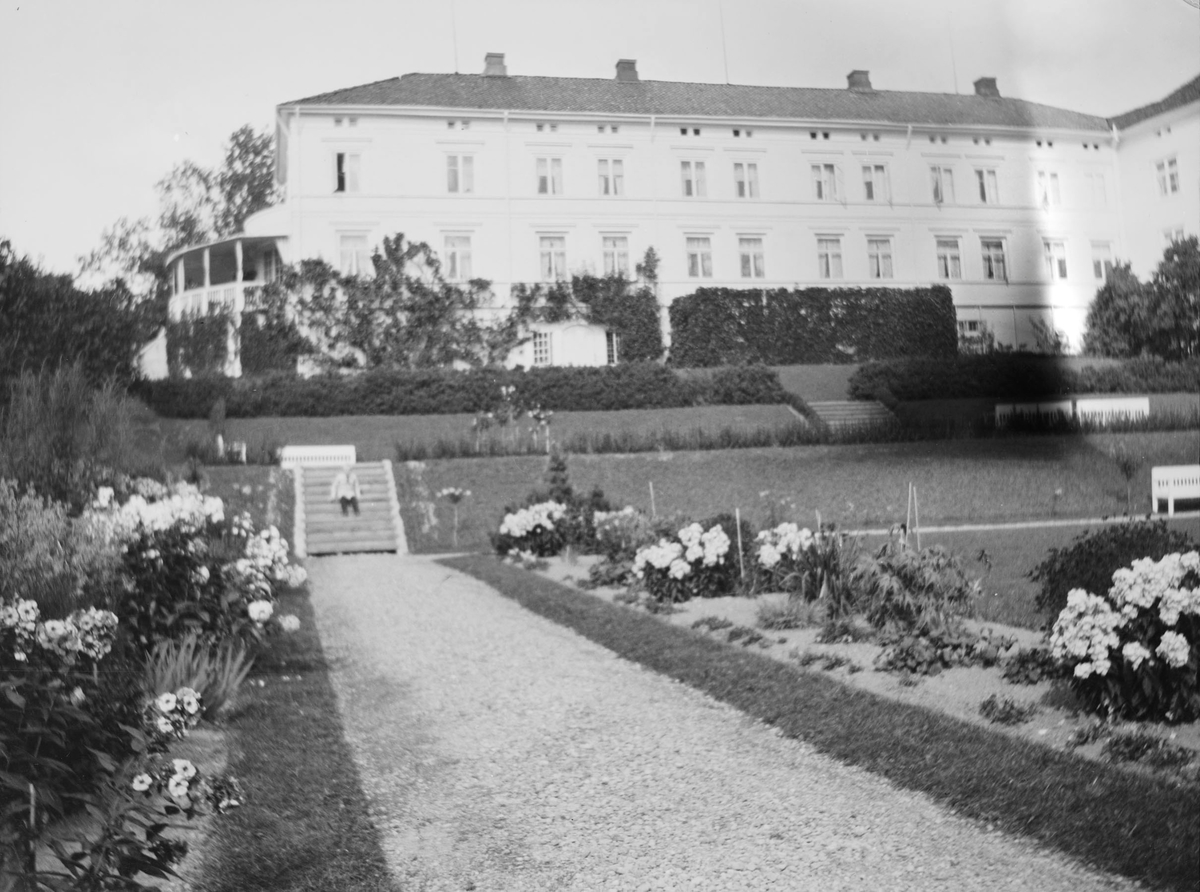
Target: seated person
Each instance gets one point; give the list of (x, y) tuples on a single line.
[(345, 490)]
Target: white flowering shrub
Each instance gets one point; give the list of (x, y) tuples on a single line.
[(619, 534), (696, 563), (1135, 652), (536, 529), (781, 556)]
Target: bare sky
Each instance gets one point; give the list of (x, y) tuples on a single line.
[(99, 100)]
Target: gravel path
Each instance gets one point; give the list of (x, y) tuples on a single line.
[(500, 752)]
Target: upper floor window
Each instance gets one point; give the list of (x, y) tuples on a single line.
[(1048, 192), (460, 173), (875, 182), (612, 176), (346, 168), (989, 188), (1102, 261), (612, 346), (949, 261), (829, 258), (615, 249), (745, 179), (354, 259), (879, 258), (699, 257), (942, 179), (1168, 176), (1056, 258), (541, 348), (751, 251), (995, 266), (457, 264), (825, 182), (553, 250), (695, 184), (549, 176)]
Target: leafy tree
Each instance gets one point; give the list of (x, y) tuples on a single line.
[(1161, 318), (46, 322)]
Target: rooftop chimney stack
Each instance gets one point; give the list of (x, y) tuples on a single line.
[(986, 86), (627, 71), (493, 65), (860, 81)]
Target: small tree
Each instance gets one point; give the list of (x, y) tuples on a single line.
[(1117, 315)]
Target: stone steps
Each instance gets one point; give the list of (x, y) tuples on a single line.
[(849, 413), (328, 531)]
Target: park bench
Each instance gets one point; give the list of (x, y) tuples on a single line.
[(1171, 482), (316, 456)]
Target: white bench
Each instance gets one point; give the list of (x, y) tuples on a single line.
[(1107, 409), (316, 456), (1171, 482)]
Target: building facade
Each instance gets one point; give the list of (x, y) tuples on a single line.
[(1019, 208)]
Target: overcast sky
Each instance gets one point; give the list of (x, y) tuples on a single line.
[(99, 100)]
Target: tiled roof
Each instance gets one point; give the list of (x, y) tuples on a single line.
[(599, 96), (1189, 92)]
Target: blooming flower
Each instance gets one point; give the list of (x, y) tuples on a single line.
[(178, 787), (1135, 654), (141, 783), (260, 611), (1174, 649), (164, 726), (183, 768), (165, 702), (290, 623)]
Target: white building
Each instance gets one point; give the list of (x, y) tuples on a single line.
[(1017, 207)]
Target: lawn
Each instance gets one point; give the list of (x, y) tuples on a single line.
[(376, 436)]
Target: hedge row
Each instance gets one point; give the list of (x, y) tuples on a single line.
[(445, 391), (726, 326), (1017, 376)]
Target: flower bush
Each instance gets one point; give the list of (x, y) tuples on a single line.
[(810, 566), (619, 534), (1135, 652), (691, 565), (535, 529)]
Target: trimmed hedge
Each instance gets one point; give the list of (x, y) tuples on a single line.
[(726, 326), (1017, 376), (445, 391)]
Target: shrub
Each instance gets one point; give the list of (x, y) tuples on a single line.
[(1147, 748), (695, 563), (1007, 711), (914, 591), (534, 529), (1090, 560), (928, 652), (1031, 665), (214, 672), (789, 613), (1135, 652), (726, 326), (64, 437)]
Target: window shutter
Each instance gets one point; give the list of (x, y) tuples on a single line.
[(840, 188)]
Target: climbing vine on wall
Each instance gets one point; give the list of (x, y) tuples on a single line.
[(198, 343)]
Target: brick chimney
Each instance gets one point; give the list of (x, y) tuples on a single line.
[(493, 65), (986, 86), (627, 71), (859, 81)]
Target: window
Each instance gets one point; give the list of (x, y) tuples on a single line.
[(994, 266), (612, 344), (541, 348), (879, 258), (989, 191), (829, 258), (1097, 189), (612, 176), (1102, 263), (460, 173), (943, 184), (549, 176), (354, 258), (825, 182), (553, 250), (694, 181), (949, 261), (1168, 176), (875, 182), (971, 329), (458, 258), (347, 167), (1056, 258), (699, 257), (616, 255), (1048, 193), (751, 251), (745, 178)]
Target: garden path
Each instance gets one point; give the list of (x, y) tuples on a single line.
[(500, 751)]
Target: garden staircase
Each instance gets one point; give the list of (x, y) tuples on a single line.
[(321, 528), (842, 414)]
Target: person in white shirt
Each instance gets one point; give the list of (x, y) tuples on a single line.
[(345, 490)]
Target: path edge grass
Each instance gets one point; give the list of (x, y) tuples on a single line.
[(1138, 827)]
